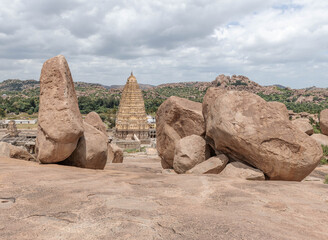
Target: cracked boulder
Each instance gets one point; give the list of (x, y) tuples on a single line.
[(91, 150), (190, 151), (213, 165), (176, 118), (244, 126), (59, 121)]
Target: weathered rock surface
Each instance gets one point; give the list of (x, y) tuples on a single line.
[(134, 200), (320, 139), (91, 151), (94, 120), (20, 153), (303, 125), (324, 121), (8, 150), (190, 151), (244, 126), (59, 121), (176, 118), (213, 165), (4, 149), (115, 153), (241, 170)]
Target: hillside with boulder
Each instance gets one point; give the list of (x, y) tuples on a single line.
[(22, 96)]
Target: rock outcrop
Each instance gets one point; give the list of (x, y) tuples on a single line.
[(91, 151), (59, 122), (241, 170), (115, 153), (244, 126), (8, 150), (20, 153), (303, 125), (321, 139), (324, 121), (190, 151), (213, 165), (94, 120), (176, 118)]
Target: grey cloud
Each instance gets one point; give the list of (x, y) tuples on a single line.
[(167, 41)]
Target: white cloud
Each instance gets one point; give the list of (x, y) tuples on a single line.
[(167, 41)]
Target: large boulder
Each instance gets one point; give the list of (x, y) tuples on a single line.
[(244, 126), (91, 151), (303, 125), (320, 139), (324, 121), (241, 170), (8, 150), (176, 118), (59, 122), (213, 165), (115, 153), (94, 120), (190, 151)]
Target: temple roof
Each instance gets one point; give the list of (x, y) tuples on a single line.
[(132, 78)]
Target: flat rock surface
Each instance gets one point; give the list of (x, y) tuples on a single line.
[(134, 200)]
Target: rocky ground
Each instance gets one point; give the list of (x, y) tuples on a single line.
[(135, 200)]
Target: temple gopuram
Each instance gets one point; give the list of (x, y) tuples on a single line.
[(131, 119)]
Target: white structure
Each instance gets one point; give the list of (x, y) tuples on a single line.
[(151, 119), (23, 121)]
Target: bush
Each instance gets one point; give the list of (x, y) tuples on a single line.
[(325, 150), (239, 83), (316, 128), (326, 180), (323, 161)]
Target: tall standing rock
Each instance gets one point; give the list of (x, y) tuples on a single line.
[(59, 122), (244, 126), (324, 121), (176, 118)]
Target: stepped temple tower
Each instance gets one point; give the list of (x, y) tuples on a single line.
[(131, 117)]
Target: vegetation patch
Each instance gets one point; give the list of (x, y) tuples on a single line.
[(135, 150)]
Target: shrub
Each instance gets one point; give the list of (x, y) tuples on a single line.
[(323, 161), (239, 83), (325, 150)]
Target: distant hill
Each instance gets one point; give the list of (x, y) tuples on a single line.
[(21, 85), (98, 97), (279, 86), (18, 85)]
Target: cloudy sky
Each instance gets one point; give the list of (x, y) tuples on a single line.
[(271, 42)]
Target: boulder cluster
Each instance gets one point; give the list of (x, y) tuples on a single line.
[(322, 138), (235, 133), (63, 137)]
